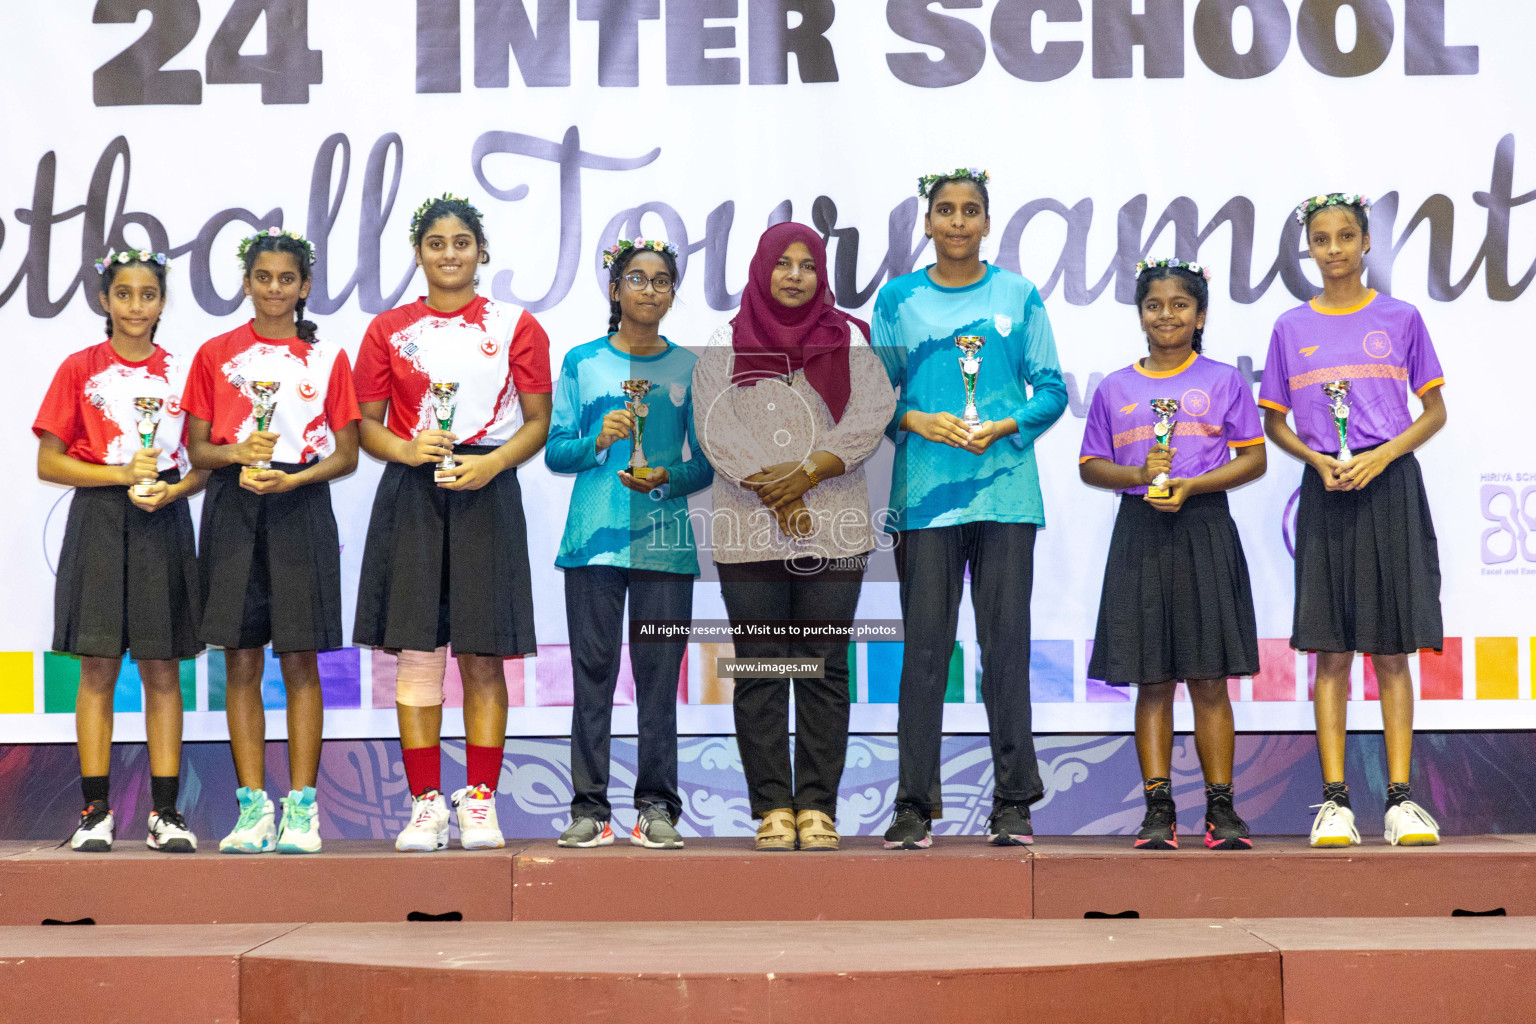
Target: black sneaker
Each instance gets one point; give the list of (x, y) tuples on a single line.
[(1159, 827), (912, 830), (1224, 830), (1009, 826)]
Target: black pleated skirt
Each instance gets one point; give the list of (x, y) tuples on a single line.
[(446, 567), (1367, 566), (127, 579), (270, 566), (1176, 602)]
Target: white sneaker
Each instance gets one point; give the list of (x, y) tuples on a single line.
[(478, 828), (1334, 826), (1408, 824), (301, 823), (254, 831), (168, 833), (94, 833), (428, 830)]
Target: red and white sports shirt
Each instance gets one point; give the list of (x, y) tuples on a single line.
[(89, 406), (314, 400), (492, 350)]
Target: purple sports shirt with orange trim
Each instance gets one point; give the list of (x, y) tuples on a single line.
[(1216, 413), (1380, 346)]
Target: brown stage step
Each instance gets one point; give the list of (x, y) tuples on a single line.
[(1078, 971), (1283, 877), (124, 974), (726, 880), (1387, 971), (350, 880)]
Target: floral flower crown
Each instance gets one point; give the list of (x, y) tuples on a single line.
[(926, 182), (1194, 268), (128, 256), (1311, 206), (614, 252), (275, 232), (445, 197)]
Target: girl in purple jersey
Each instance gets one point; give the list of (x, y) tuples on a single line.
[(1367, 563), (1176, 602)]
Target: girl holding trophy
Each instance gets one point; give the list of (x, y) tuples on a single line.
[(1367, 561), (273, 417), (1172, 433), (965, 492), (111, 427), (446, 560), (625, 401)]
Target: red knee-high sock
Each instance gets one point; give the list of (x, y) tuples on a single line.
[(423, 768), (483, 765)]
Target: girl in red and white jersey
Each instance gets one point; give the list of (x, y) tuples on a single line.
[(446, 562), (271, 555), (111, 427)]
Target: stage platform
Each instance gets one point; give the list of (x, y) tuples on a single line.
[(1304, 971), (1061, 877)]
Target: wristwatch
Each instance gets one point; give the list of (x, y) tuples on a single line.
[(810, 469)]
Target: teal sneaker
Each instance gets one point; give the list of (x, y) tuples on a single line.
[(254, 831), (301, 823)]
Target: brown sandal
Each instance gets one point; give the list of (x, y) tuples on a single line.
[(817, 831), (777, 831)]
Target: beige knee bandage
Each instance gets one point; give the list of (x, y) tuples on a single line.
[(419, 677)]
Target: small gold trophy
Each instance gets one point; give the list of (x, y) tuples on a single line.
[(263, 405), (970, 365), (635, 391), (149, 422), (445, 398), (1337, 391), (1162, 431)]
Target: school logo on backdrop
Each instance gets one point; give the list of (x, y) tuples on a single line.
[(307, 390), (1378, 345), (1195, 402), (1004, 324)]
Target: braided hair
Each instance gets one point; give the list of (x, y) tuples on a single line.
[(616, 276), (302, 258), (1194, 284), (435, 210), (110, 272)]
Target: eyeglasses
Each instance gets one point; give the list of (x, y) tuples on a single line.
[(637, 281)]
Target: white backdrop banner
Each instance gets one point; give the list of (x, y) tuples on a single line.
[(1112, 128)]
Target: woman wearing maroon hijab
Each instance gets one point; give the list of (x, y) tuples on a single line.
[(789, 400)]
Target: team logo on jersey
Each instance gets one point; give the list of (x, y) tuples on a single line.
[(1309, 350), (1195, 402), (307, 390), (1128, 409), (1378, 345), (173, 405), (97, 400), (1003, 323), (678, 392), (490, 346)]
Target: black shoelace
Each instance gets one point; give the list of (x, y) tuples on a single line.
[(94, 814), (1223, 816), (1019, 809), (172, 818), (1160, 814)]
